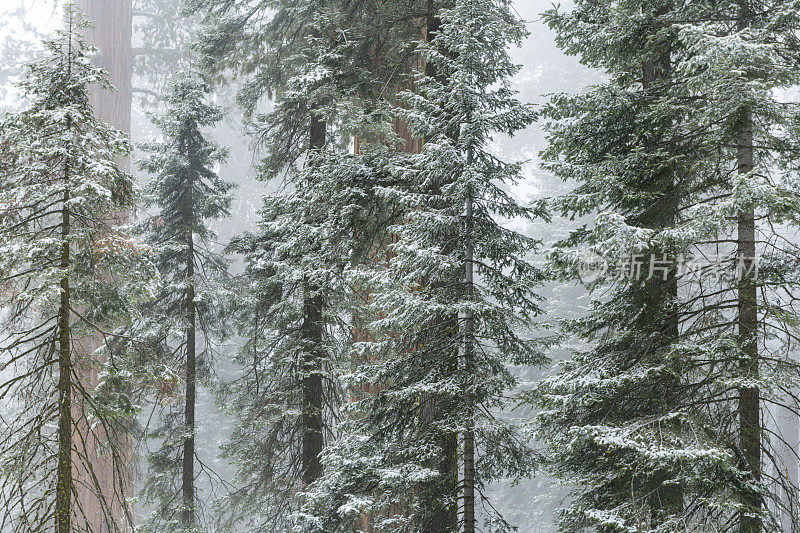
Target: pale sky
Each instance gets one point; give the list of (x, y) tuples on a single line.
[(40, 14), (23, 23)]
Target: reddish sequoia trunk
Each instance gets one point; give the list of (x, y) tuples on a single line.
[(111, 33)]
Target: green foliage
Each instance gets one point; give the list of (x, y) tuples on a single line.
[(307, 236), (186, 195), (414, 389), (644, 419), (335, 61), (62, 195)]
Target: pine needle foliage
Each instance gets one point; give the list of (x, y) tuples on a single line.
[(70, 275), (661, 422)]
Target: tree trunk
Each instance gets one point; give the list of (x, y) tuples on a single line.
[(103, 485), (747, 323), (187, 479), (65, 483), (111, 33), (469, 369), (313, 354)]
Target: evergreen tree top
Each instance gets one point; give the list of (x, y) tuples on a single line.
[(333, 63), (61, 130), (465, 93), (66, 69), (68, 271), (184, 162)]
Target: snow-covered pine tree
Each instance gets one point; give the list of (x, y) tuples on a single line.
[(185, 318), (450, 307), (314, 231), (659, 422), (296, 60), (318, 58), (68, 274)]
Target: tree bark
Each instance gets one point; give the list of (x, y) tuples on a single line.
[(187, 477), (313, 355), (102, 484), (112, 33), (747, 323), (65, 483), (469, 370)]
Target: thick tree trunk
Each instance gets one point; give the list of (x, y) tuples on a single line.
[(187, 477), (313, 355), (103, 485), (111, 33), (65, 483)]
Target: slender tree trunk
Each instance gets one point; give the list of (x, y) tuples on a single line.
[(469, 369), (64, 484), (312, 387), (187, 481), (313, 354), (747, 322)]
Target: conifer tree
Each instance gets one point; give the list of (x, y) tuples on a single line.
[(68, 273), (319, 59), (658, 421), (301, 67), (313, 232), (185, 318), (452, 303)]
